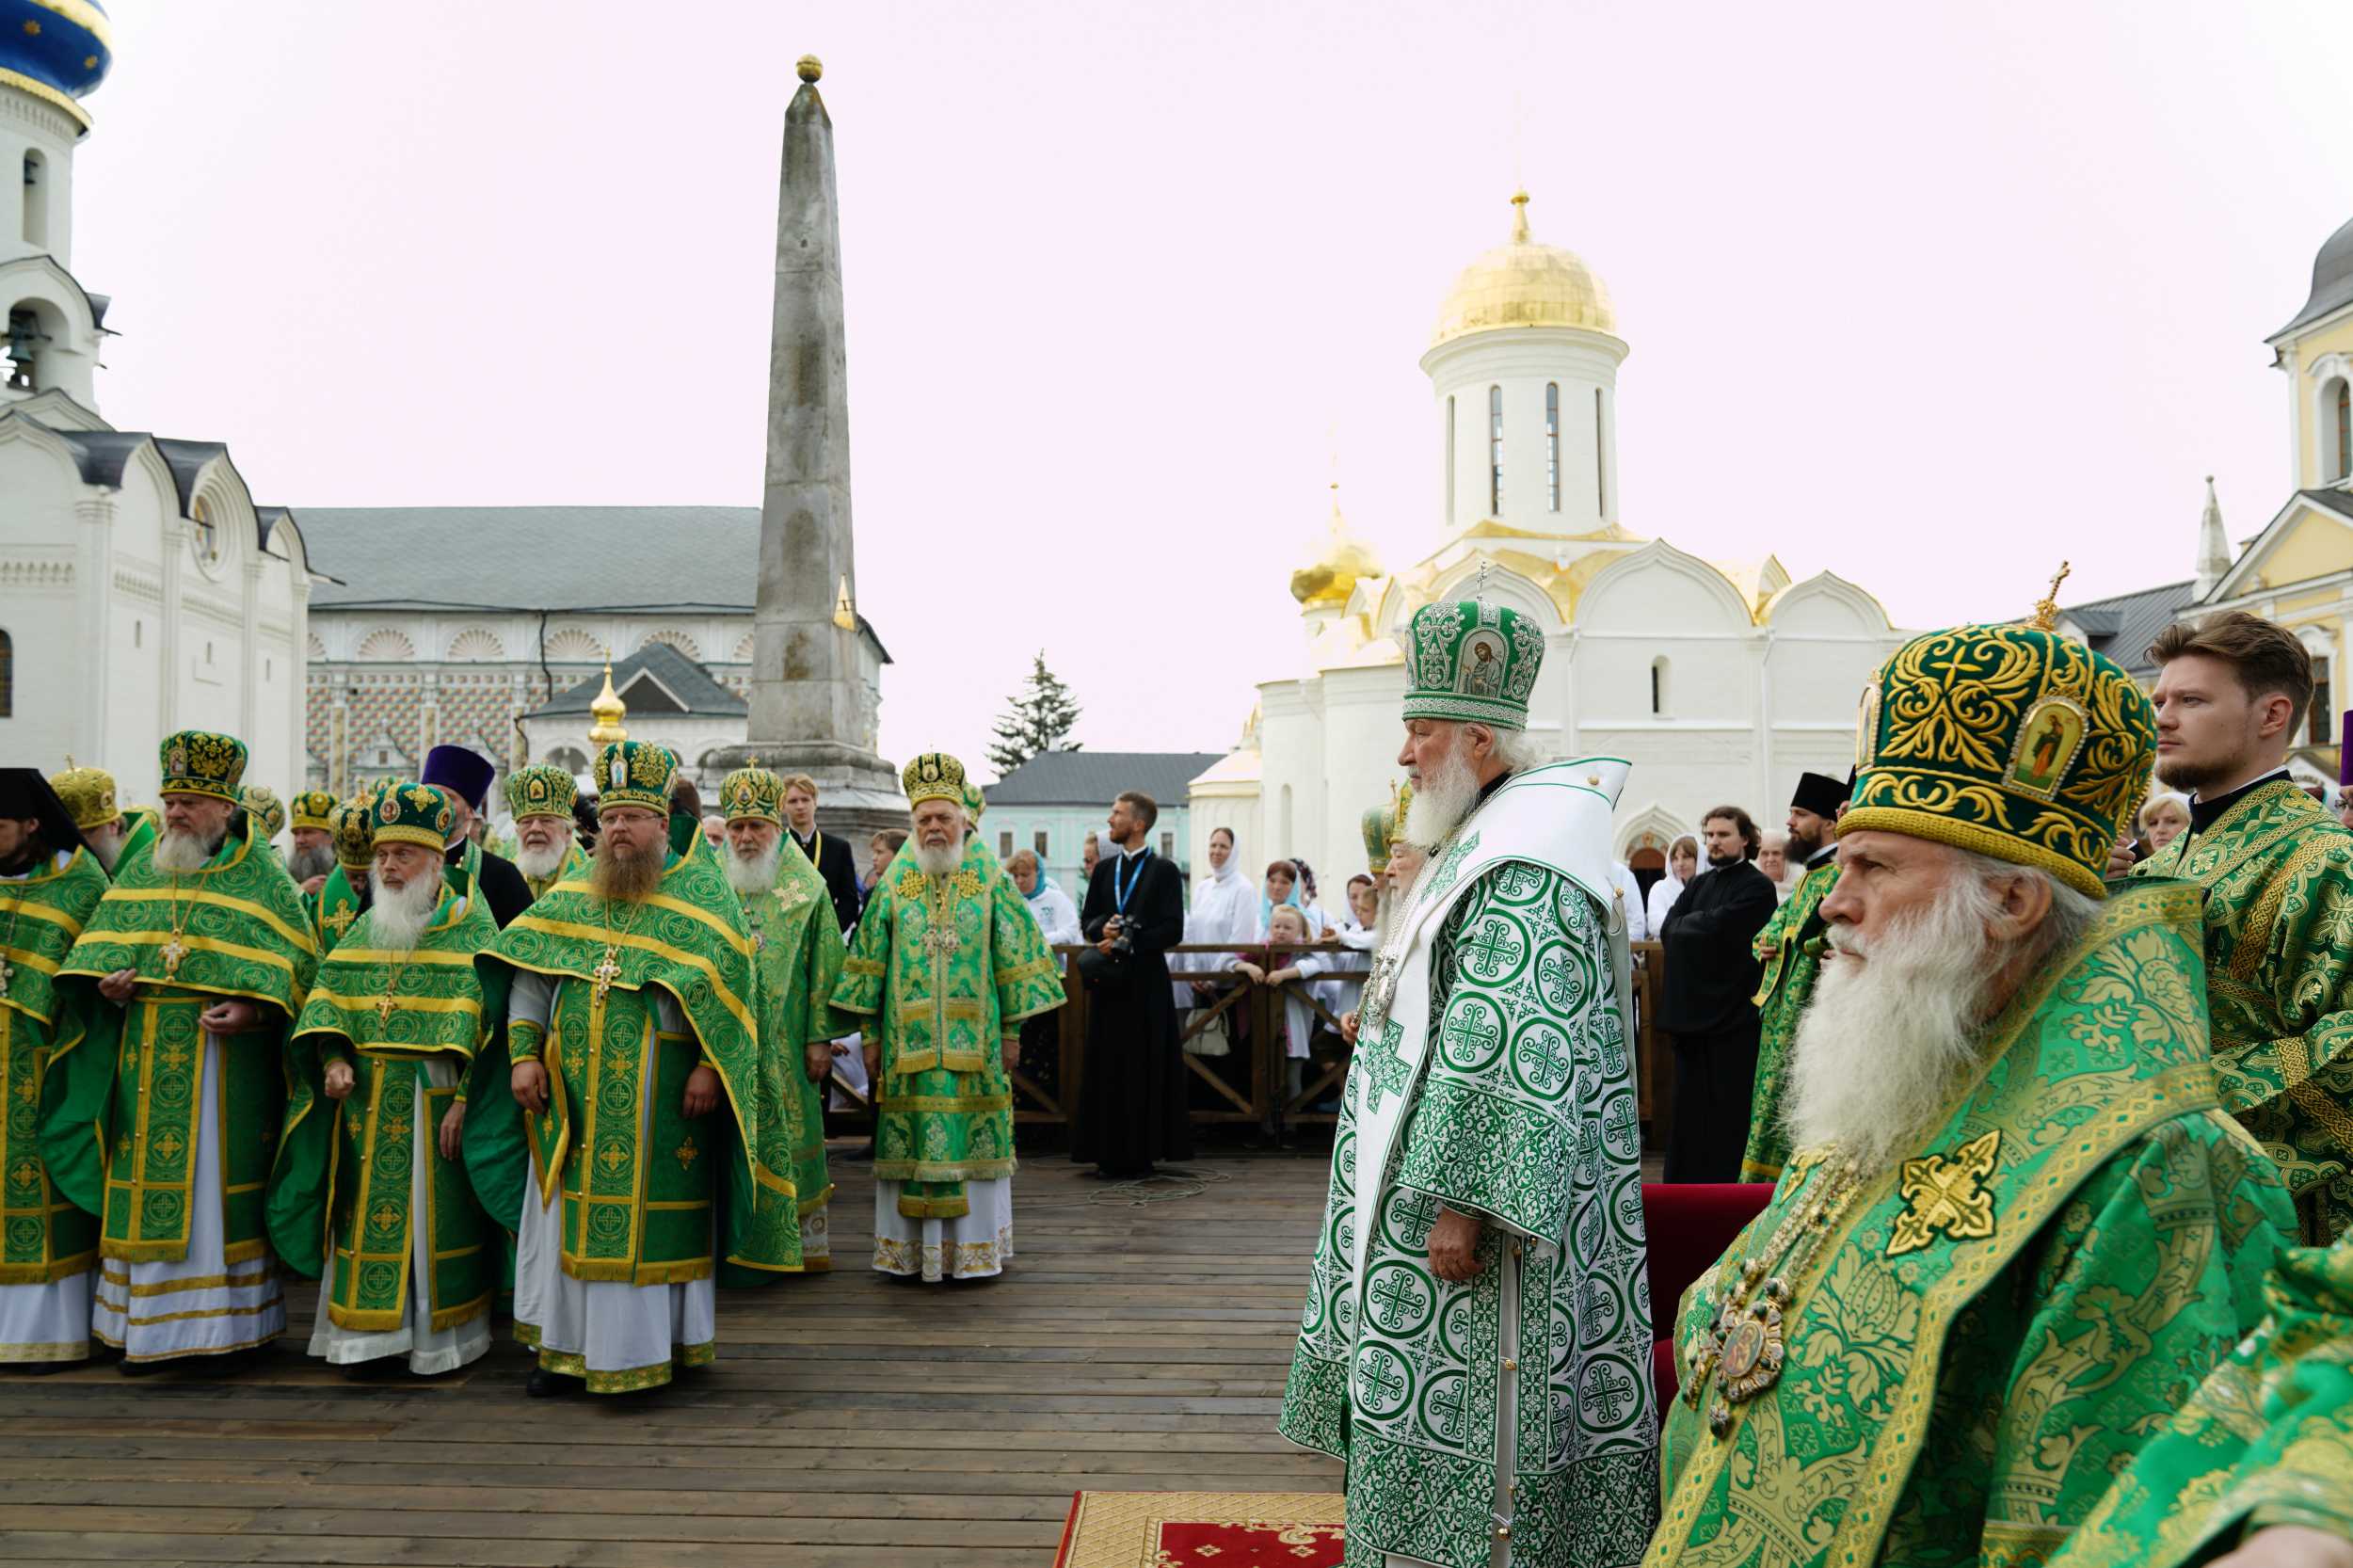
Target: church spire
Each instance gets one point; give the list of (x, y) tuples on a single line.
[(2214, 544)]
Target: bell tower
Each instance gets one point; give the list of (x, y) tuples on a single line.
[(51, 57)]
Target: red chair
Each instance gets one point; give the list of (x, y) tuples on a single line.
[(1690, 1225)]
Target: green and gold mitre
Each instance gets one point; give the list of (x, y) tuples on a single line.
[(88, 795), (412, 813), (261, 804), (934, 776), (355, 832), (1472, 663), (2011, 741), (313, 808), (975, 803), (633, 773), (1385, 826), (754, 795), (200, 762), (540, 791)]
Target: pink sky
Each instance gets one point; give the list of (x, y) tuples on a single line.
[(1929, 295)]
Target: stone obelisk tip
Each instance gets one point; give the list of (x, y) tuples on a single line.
[(811, 68)]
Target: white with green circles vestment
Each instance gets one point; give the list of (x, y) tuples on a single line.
[(1508, 1419)]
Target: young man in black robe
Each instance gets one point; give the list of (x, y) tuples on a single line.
[(828, 852), (1708, 1001), (1132, 1108)]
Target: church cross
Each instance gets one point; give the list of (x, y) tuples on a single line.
[(607, 973), (1384, 1066), (384, 1007), (1379, 1367), (1470, 1028), (1446, 1405), (1397, 1297), (8, 972), (1493, 948), (1608, 1392), (1546, 1061), (339, 921)]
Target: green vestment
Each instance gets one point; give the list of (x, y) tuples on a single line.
[(797, 962), (233, 930), (575, 865), (637, 1202), (345, 1181), (2278, 871), (1791, 961), (47, 1229), (335, 907), (1968, 1346), (943, 969), (2266, 1440)]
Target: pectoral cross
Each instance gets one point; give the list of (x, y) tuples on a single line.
[(8, 972), (607, 973), (941, 940), (384, 1008), (173, 952)]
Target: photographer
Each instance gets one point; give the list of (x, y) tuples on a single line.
[(1132, 1108)]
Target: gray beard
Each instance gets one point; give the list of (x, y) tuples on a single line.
[(940, 861), (307, 863), (538, 863), (398, 916), (758, 874), (177, 852), (1442, 799)]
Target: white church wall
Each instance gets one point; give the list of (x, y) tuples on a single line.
[(38, 581)]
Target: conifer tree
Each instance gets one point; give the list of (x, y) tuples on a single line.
[(1039, 717)]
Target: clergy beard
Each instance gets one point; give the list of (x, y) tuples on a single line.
[(1443, 797), (307, 863), (178, 851), (755, 873), (619, 873), (1883, 1042), (537, 863), (397, 915), (940, 861)]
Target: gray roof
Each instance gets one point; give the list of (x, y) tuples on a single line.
[(2333, 280), (2123, 627), (1093, 777), (579, 558), (696, 692), (2339, 502)]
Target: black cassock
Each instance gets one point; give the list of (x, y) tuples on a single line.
[(1132, 1109)]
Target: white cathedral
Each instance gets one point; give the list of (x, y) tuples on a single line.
[(1721, 680)]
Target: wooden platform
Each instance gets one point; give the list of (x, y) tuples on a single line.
[(851, 1420)]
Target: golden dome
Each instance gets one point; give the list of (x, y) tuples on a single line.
[(1331, 576), (608, 710), (1525, 284)]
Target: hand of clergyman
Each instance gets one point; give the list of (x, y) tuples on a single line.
[(338, 1079), (529, 1083), (702, 1091), (229, 1017), (1454, 1246), (817, 1060), (453, 1136), (119, 985)]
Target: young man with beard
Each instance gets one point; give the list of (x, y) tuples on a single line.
[(945, 966), (541, 798), (88, 795), (1708, 1001), (2278, 871), (1786, 949), (828, 852), (203, 944), (2017, 1224), (312, 859), (1475, 1343), (631, 1054), (465, 777), (49, 1246), (796, 963), (370, 1195), (1131, 1089)]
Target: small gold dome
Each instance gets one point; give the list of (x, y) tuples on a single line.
[(608, 710), (1523, 283), (1343, 559)]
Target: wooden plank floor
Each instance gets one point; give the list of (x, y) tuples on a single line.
[(850, 1421)]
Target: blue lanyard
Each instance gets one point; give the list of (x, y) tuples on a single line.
[(1120, 890)]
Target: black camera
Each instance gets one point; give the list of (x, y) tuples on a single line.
[(1125, 941)]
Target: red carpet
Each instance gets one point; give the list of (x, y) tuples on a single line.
[(1202, 1529)]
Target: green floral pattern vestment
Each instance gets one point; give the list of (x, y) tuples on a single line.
[(1786, 947)]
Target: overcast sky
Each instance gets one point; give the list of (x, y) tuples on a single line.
[(1928, 295)]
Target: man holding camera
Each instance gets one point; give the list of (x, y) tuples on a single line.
[(1132, 1108)]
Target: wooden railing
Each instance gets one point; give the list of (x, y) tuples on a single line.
[(1266, 1099)]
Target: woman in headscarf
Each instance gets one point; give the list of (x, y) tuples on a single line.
[(1683, 863), (1224, 913), (1282, 884)]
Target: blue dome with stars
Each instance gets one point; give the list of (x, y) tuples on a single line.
[(57, 49)]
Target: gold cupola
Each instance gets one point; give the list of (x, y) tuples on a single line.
[(608, 710), (1340, 560), (1523, 283)]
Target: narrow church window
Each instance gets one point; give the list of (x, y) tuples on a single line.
[(1004, 845), (2320, 715), (1449, 460), (1659, 687), (1039, 844), (1495, 452), (36, 202), (1601, 467), (8, 675), (1552, 442), (2344, 432), (207, 536), (1168, 846)]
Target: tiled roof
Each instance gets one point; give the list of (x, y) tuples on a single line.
[(1093, 777)]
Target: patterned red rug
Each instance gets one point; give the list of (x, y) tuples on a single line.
[(1203, 1529)]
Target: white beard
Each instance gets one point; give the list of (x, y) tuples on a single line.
[(1442, 798), (758, 874), (177, 850), (941, 861), (307, 863), (1885, 1040), (538, 863), (398, 916)]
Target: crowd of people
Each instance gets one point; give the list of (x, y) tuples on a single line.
[(2043, 1083)]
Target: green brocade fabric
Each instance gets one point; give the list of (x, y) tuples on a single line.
[(2081, 1241), (686, 939), (46, 1232), (796, 962), (240, 934), (2267, 1439), (943, 969), (335, 907), (2278, 871), (1791, 961), (343, 1182)]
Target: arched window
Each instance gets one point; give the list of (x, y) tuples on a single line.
[(1450, 460), (36, 201), (2345, 431), (207, 533), (1659, 686), (1552, 442), (570, 758), (2320, 715), (8, 675), (1495, 452)]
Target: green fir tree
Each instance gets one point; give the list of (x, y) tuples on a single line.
[(1039, 717)]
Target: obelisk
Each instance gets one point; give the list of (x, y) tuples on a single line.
[(812, 661)]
